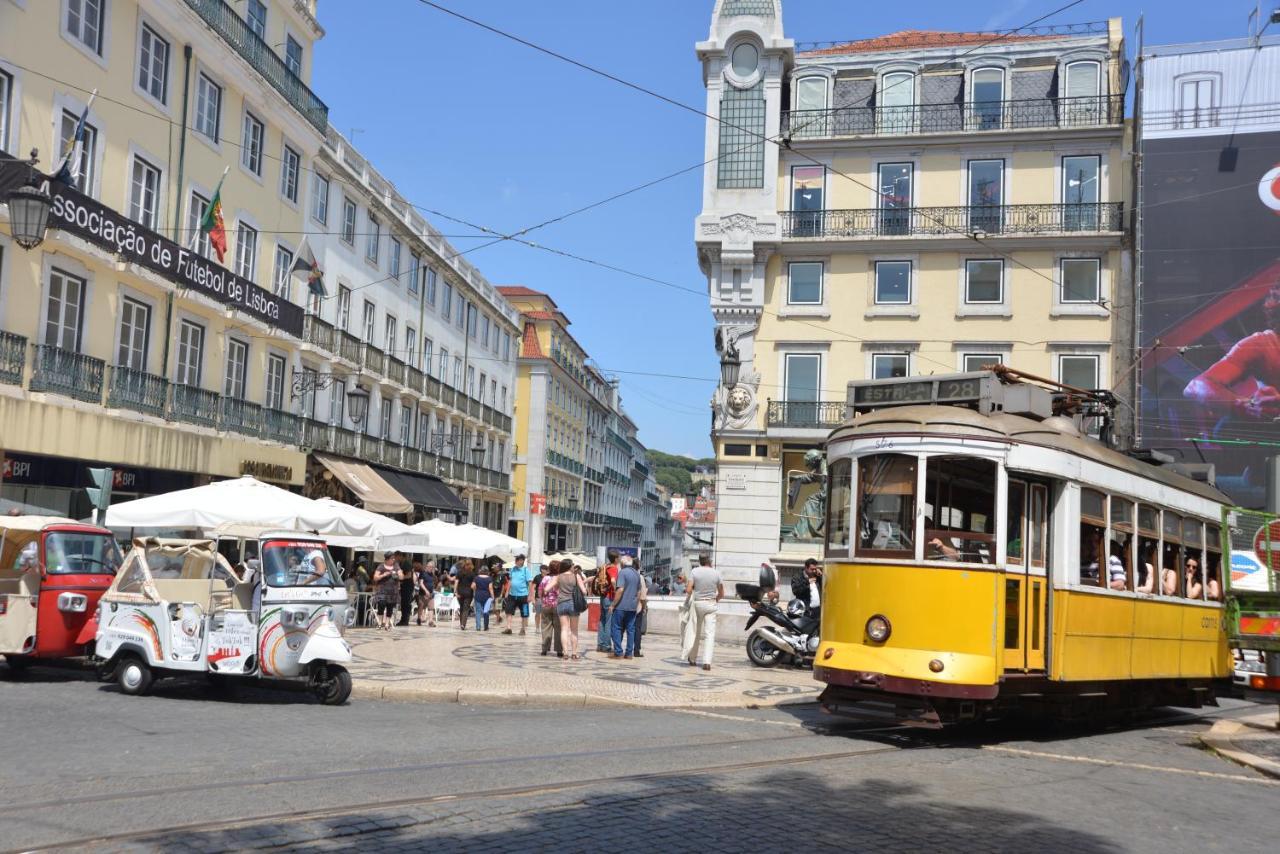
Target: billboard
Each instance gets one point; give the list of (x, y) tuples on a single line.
[(1210, 305)]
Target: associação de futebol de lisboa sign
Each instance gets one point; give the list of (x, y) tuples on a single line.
[(84, 217)]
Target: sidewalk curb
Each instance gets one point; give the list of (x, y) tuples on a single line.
[(1230, 739)]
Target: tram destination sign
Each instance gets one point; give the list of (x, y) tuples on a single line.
[(84, 217), (970, 388)]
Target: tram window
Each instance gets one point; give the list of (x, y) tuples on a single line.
[(1015, 522), (1171, 556), (1037, 525), (839, 500), (1213, 570), (1093, 533), (1148, 548), (886, 505), (960, 509), (1192, 559), (1120, 549), (1012, 613)]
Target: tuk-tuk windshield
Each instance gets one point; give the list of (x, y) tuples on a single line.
[(76, 552), (298, 563)]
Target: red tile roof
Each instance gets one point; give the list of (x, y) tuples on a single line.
[(529, 347), (904, 39), (518, 291)]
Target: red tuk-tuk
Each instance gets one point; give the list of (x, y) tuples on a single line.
[(52, 573)]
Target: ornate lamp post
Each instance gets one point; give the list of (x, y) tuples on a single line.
[(730, 365), (357, 404), (29, 207)]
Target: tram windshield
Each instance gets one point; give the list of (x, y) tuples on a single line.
[(290, 563), (886, 505)]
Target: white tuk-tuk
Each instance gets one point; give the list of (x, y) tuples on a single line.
[(177, 607)]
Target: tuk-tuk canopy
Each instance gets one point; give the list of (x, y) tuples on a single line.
[(165, 559)]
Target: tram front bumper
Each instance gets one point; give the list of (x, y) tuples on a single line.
[(866, 681)]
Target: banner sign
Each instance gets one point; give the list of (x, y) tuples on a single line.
[(80, 215)]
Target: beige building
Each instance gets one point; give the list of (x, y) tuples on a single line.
[(122, 342), (926, 202)]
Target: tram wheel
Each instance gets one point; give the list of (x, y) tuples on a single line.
[(133, 675), (762, 653), (331, 684)]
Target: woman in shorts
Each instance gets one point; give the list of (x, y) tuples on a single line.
[(386, 594), (570, 576)]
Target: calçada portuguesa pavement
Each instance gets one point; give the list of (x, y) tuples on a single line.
[(445, 664)]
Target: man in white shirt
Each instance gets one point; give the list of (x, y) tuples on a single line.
[(706, 589)]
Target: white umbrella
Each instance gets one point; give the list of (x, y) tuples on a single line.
[(241, 499), (447, 539), (501, 542), (379, 532)]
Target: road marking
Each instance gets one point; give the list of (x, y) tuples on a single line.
[(1114, 763), (724, 717)]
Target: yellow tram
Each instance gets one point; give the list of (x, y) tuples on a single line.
[(985, 554)]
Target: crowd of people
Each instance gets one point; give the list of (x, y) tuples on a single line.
[(552, 601)]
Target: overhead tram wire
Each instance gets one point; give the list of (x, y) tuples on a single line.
[(762, 138)]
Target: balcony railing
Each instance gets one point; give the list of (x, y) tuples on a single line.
[(137, 391), (413, 379), (316, 435), (316, 331), (68, 373), (193, 405), (961, 221), (240, 416), (280, 426), (373, 359), (431, 387), (807, 414), (967, 117), (349, 347), (235, 31), (13, 357), (345, 442), (395, 370)]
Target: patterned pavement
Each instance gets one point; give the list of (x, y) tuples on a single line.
[(445, 664)]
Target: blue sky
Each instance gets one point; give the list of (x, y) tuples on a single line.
[(483, 129)]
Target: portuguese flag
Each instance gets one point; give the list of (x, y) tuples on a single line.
[(212, 222)]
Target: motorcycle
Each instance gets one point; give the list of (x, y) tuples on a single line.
[(793, 637)]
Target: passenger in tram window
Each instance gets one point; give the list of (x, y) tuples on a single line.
[(1212, 587), (1117, 572), (939, 550), (1193, 588), (1091, 552), (1146, 567)]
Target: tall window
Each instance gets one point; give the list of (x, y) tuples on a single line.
[(394, 261), (406, 424), (6, 104), (64, 311), (289, 168), (430, 279), (1081, 280), (309, 392), (886, 366), (208, 119), (457, 372), (337, 401), (803, 374), (251, 141), (1196, 104), (986, 195), (190, 353), (484, 330), (410, 346), (275, 382), (246, 251), (427, 348), (84, 22), (804, 283), (986, 101), (415, 264), (348, 221), (144, 192), (373, 238), (1080, 192), (153, 64), (446, 309), (894, 197), (1080, 371), (807, 191), (343, 318), (293, 55), (506, 345), (280, 277), (893, 282), (444, 365), (424, 430), (369, 313), (256, 15), (195, 215), (233, 383), (389, 335), (1082, 106), (984, 281), (811, 99), (319, 198), (385, 432), (895, 110), (135, 329), (88, 162), (741, 160), (471, 381)]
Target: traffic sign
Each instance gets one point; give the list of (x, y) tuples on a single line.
[(100, 493)]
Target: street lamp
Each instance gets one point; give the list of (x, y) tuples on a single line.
[(29, 207), (357, 404), (730, 365)]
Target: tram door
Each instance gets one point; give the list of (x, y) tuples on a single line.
[(1026, 590)]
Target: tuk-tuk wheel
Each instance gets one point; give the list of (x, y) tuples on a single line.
[(331, 683), (133, 675)]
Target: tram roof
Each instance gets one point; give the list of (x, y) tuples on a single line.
[(1055, 433)]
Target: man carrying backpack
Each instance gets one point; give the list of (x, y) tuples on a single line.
[(605, 585)]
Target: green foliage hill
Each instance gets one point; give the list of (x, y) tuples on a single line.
[(673, 471)]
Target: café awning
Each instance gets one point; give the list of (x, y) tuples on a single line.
[(369, 487), (424, 490)]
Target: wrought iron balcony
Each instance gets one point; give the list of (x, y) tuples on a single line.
[(137, 391), (233, 29), (194, 405), (395, 369), (345, 442), (280, 426), (373, 359), (413, 379), (13, 357), (806, 414), (431, 387), (349, 347), (240, 416), (316, 331), (316, 435), (955, 221), (965, 117), (68, 373)]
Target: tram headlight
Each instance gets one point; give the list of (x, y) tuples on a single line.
[(878, 628)]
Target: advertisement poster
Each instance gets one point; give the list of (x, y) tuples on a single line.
[(1210, 305), (804, 497)]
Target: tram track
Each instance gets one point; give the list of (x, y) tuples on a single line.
[(295, 816)]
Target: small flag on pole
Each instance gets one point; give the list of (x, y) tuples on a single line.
[(212, 224), (307, 266), (73, 150)]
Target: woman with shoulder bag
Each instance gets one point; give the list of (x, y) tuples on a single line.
[(571, 600)]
